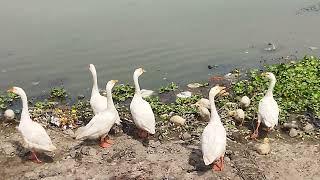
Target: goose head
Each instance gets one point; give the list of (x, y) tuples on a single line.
[(269, 75), (16, 90), (217, 90), (110, 84), (138, 72), (92, 68)]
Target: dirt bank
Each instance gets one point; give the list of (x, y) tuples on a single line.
[(128, 158)]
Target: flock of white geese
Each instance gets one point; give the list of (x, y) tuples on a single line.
[(213, 140)]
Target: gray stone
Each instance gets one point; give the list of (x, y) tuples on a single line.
[(92, 152), (290, 125), (227, 159), (308, 127), (69, 132), (85, 150), (186, 136), (293, 132)]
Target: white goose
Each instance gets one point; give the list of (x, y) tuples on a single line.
[(268, 112), (34, 135), (97, 101), (213, 140), (109, 87), (141, 111), (100, 124)]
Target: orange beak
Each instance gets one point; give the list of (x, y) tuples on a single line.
[(10, 90)]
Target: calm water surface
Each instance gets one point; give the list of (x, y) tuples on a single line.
[(51, 42)]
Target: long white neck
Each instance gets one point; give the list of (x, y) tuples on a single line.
[(25, 109), (214, 113), (271, 87), (136, 85), (95, 89), (109, 98)]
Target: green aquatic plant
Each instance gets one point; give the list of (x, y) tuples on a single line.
[(58, 92), (296, 90), (83, 111), (7, 99), (188, 101), (170, 87), (44, 104), (182, 106), (122, 92)]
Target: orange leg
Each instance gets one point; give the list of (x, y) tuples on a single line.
[(218, 166), (105, 142), (143, 134), (256, 131), (33, 157), (269, 129)]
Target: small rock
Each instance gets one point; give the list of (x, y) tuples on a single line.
[(146, 93), (177, 120), (227, 159), (69, 132), (55, 121), (290, 125), (168, 178), (92, 152), (263, 148), (85, 150), (308, 127), (9, 114), (194, 85), (184, 94), (245, 101), (204, 102), (186, 136), (73, 153), (293, 132)]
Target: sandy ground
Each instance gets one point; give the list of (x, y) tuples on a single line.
[(129, 158)]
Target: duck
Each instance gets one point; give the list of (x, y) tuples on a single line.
[(203, 111), (268, 110), (141, 110), (101, 123), (33, 134), (98, 102), (110, 104), (238, 115), (214, 137), (245, 101)]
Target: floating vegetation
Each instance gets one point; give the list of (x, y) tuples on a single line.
[(58, 92), (122, 92), (83, 111), (170, 87), (7, 99)]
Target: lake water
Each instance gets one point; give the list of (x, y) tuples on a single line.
[(47, 43)]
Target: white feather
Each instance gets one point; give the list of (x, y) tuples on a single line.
[(269, 111), (99, 125), (142, 114), (213, 142)]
